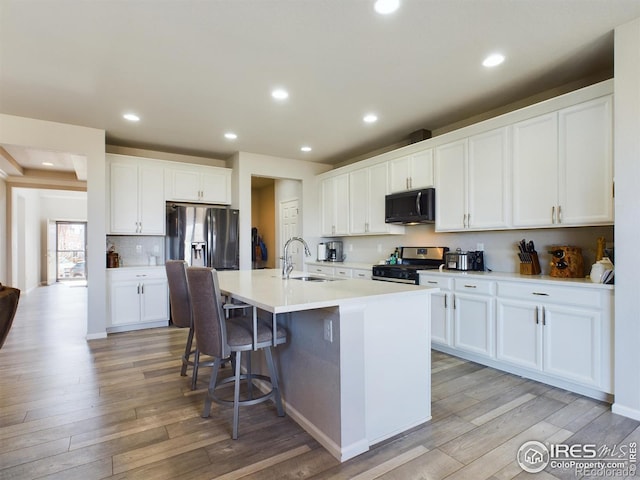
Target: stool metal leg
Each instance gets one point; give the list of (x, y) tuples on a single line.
[(211, 390), (187, 353), (274, 381), (236, 397), (196, 365)]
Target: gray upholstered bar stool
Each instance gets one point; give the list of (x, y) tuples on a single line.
[(181, 315), (220, 337)]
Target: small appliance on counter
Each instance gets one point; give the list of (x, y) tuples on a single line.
[(566, 262), (465, 261), (322, 252), (413, 259), (334, 251)]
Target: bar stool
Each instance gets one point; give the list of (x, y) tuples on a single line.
[(220, 337)]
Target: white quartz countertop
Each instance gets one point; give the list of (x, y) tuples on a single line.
[(267, 290), (569, 282)]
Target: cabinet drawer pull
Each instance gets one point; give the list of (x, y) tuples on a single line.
[(432, 281), (540, 294), (141, 275), (470, 286)]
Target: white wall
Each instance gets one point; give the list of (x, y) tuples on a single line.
[(25, 238), (627, 229), (245, 165), (89, 142)]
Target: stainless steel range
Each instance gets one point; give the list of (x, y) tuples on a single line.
[(413, 259)]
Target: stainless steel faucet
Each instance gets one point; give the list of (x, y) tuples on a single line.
[(287, 265)]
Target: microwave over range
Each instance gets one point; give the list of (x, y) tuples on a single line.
[(412, 207)]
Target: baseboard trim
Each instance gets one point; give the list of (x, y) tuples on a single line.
[(628, 412)]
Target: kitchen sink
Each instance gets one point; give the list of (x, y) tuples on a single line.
[(309, 278)]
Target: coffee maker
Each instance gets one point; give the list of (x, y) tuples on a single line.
[(334, 251)]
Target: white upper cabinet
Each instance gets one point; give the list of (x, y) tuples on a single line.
[(472, 183), (411, 172), (585, 176), (195, 183), (334, 192), (136, 196), (367, 190), (563, 167)]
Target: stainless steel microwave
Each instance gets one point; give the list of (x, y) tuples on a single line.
[(412, 207)]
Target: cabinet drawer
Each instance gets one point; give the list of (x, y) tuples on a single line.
[(472, 285), (444, 283), (361, 274), (342, 272), (321, 269), (584, 297), (135, 274)]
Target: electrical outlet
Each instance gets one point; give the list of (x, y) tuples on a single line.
[(328, 330), (138, 248)]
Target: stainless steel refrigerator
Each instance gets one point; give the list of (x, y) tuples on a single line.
[(203, 235)]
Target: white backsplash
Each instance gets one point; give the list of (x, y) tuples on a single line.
[(137, 250), (500, 247)]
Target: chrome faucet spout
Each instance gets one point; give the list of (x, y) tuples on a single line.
[(287, 264)]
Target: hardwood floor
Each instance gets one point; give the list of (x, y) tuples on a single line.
[(117, 408)]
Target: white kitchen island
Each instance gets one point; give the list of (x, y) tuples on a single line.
[(356, 368)]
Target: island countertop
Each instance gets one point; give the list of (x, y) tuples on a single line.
[(267, 290)]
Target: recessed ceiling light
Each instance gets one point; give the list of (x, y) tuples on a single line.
[(280, 94), (132, 117), (305, 149), (230, 136), (493, 60), (370, 118), (385, 7), (47, 164)]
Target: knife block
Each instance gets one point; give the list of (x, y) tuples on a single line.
[(530, 267)]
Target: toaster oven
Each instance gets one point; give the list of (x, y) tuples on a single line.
[(465, 261)]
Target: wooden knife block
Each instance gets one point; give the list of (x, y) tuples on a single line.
[(532, 267)]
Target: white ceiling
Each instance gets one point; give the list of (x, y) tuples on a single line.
[(194, 69)]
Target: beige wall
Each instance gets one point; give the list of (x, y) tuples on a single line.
[(264, 219)]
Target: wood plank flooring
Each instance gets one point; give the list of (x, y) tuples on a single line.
[(118, 408)]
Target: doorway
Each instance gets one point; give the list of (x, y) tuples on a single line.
[(71, 241)]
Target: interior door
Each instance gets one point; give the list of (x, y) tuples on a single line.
[(290, 227)]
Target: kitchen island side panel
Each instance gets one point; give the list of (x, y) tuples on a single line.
[(397, 365)]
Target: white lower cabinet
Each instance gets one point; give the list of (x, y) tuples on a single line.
[(552, 332), (473, 316), (138, 298)]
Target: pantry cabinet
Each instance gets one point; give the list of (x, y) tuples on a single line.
[(136, 196), (195, 183), (138, 298), (472, 183), (563, 167), (411, 172)]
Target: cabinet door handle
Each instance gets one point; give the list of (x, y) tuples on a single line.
[(559, 213), (544, 317), (536, 315), (142, 289), (454, 302), (138, 289), (553, 214), (445, 301)]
